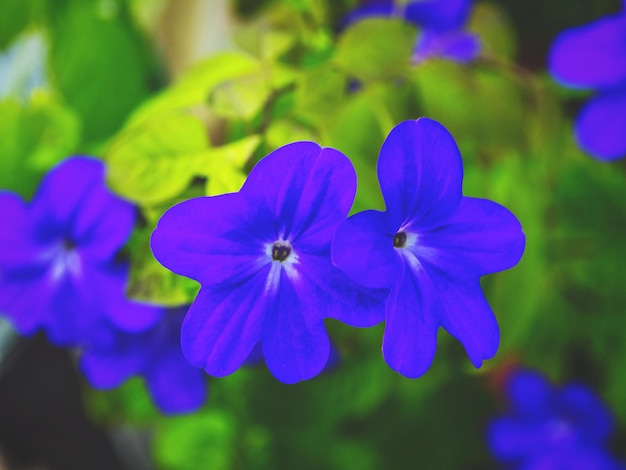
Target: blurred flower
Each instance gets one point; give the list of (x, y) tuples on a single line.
[(155, 354), (441, 24), (262, 256), (430, 247), (594, 56), (552, 428), (57, 267)]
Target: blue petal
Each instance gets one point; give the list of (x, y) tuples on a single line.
[(593, 55), (223, 325), (530, 394), (510, 439), (17, 248), (295, 344), (72, 201), (410, 338), (438, 14), (337, 296), (601, 125), (363, 249), (308, 191), (481, 237), (457, 45), (105, 370), (25, 310), (215, 240), (109, 282), (466, 315), (589, 413), (420, 172), (174, 384), (578, 458)]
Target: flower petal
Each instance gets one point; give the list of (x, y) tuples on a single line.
[(17, 248), (363, 248), (590, 413), (72, 200), (223, 325), (457, 45), (481, 237), (530, 394), (174, 384), (295, 342), (108, 284), (510, 439), (593, 55), (410, 338), (105, 370), (215, 240), (601, 125), (438, 14), (466, 315), (308, 190), (337, 296), (420, 172)]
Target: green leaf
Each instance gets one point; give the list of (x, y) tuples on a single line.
[(35, 136), (376, 48), (149, 281), (14, 18), (495, 32), (195, 86), (99, 65), (208, 437), (223, 166), (262, 42), (154, 161)]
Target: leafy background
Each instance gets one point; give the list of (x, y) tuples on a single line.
[(126, 80)]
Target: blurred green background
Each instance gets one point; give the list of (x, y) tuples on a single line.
[(181, 97)]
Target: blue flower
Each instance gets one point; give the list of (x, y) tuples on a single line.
[(441, 24), (57, 256), (552, 428), (155, 354), (262, 257), (430, 247), (594, 56)]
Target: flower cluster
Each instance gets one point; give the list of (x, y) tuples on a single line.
[(441, 24), (263, 258), (594, 56), (59, 273), (552, 428)]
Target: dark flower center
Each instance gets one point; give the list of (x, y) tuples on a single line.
[(280, 251), (399, 240), (68, 244)]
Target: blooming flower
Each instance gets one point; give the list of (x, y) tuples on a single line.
[(155, 354), (57, 266), (430, 247), (262, 256), (552, 428), (594, 56), (441, 25)]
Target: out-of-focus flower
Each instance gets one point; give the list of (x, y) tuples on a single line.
[(594, 56), (57, 267), (441, 24), (262, 256), (549, 428), (155, 354), (430, 247)]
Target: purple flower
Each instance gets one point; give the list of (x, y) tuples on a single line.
[(441, 24), (262, 256), (57, 267), (155, 354), (594, 56), (550, 428), (430, 247)]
